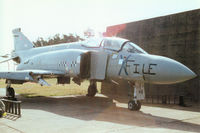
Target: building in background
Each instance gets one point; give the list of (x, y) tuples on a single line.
[(176, 36)]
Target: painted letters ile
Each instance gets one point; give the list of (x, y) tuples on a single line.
[(128, 62)]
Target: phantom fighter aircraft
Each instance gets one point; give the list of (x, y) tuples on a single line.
[(96, 60)]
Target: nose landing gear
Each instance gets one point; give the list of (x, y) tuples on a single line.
[(134, 104)]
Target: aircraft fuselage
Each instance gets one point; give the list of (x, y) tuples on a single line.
[(121, 64)]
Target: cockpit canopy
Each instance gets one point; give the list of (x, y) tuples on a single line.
[(114, 44)]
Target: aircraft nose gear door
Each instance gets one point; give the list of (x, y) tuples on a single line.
[(138, 95)]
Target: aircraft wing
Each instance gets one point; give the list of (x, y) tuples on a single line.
[(44, 72), (5, 56), (28, 75)]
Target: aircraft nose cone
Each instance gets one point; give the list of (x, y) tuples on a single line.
[(182, 73), (171, 71)]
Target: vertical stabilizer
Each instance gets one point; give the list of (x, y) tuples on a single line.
[(20, 41)]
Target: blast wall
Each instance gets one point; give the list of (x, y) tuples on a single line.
[(175, 36)]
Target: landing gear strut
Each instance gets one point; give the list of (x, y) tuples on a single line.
[(134, 103), (92, 89)]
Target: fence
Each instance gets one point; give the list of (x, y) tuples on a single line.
[(167, 99)]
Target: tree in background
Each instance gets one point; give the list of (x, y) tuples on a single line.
[(57, 39)]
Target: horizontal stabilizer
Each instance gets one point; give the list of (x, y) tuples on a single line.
[(6, 60), (5, 56)]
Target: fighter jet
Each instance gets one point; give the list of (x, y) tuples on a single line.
[(96, 60)]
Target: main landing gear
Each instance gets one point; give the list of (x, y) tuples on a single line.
[(134, 104), (92, 89), (10, 92)]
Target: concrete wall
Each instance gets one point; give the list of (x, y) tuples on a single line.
[(176, 36)]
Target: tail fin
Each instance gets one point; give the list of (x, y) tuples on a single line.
[(20, 41)]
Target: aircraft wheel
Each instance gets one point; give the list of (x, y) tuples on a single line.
[(131, 105), (92, 90), (134, 106), (138, 106), (10, 93)]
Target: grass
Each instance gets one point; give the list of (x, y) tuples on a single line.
[(34, 89)]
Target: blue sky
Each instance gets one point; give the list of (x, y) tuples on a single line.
[(45, 18)]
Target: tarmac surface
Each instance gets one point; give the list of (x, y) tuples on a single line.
[(80, 114)]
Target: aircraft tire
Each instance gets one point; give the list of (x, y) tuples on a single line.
[(131, 105), (10, 93), (134, 106), (92, 90), (138, 106)]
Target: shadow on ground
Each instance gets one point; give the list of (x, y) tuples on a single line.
[(11, 117), (102, 109), (189, 106)]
